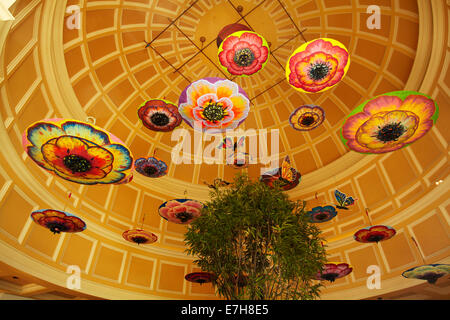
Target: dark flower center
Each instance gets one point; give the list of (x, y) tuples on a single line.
[(76, 163), (56, 227), (375, 238), (244, 57), (184, 216), (330, 276), (159, 119), (318, 71), (431, 277), (307, 121), (150, 170), (390, 132), (321, 216), (139, 239), (214, 111)]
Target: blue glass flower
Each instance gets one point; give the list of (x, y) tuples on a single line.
[(151, 167), (321, 214)]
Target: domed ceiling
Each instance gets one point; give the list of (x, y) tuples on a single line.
[(125, 52)]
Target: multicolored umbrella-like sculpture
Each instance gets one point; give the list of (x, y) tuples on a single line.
[(389, 122), (213, 105), (78, 152)]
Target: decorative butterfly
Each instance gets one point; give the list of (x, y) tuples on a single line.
[(217, 183), (288, 174), (343, 200), (228, 143)]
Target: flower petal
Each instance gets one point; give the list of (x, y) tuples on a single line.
[(41, 132), (85, 131), (122, 157)]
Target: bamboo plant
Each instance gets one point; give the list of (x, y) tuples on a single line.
[(257, 243)]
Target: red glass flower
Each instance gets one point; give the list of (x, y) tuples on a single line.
[(139, 236), (374, 234), (317, 65), (58, 221), (200, 277), (159, 115), (334, 270), (243, 53)]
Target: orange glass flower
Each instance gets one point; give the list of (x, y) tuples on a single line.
[(139, 236), (389, 122), (306, 117)]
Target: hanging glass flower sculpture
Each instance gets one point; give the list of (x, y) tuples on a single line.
[(288, 176), (213, 105), (389, 122), (334, 270), (306, 117), (322, 214), (139, 236), (200, 277), (374, 234), (78, 151), (429, 272), (317, 65), (181, 211), (243, 53), (58, 221), (159, 115), (229, 29), (151, 167)]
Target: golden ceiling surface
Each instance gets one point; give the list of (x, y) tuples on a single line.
[(103, 69)]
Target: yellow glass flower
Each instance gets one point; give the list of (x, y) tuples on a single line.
[(389, 122), (78, 152)]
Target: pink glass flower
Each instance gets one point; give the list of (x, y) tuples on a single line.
[(181, 211)]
